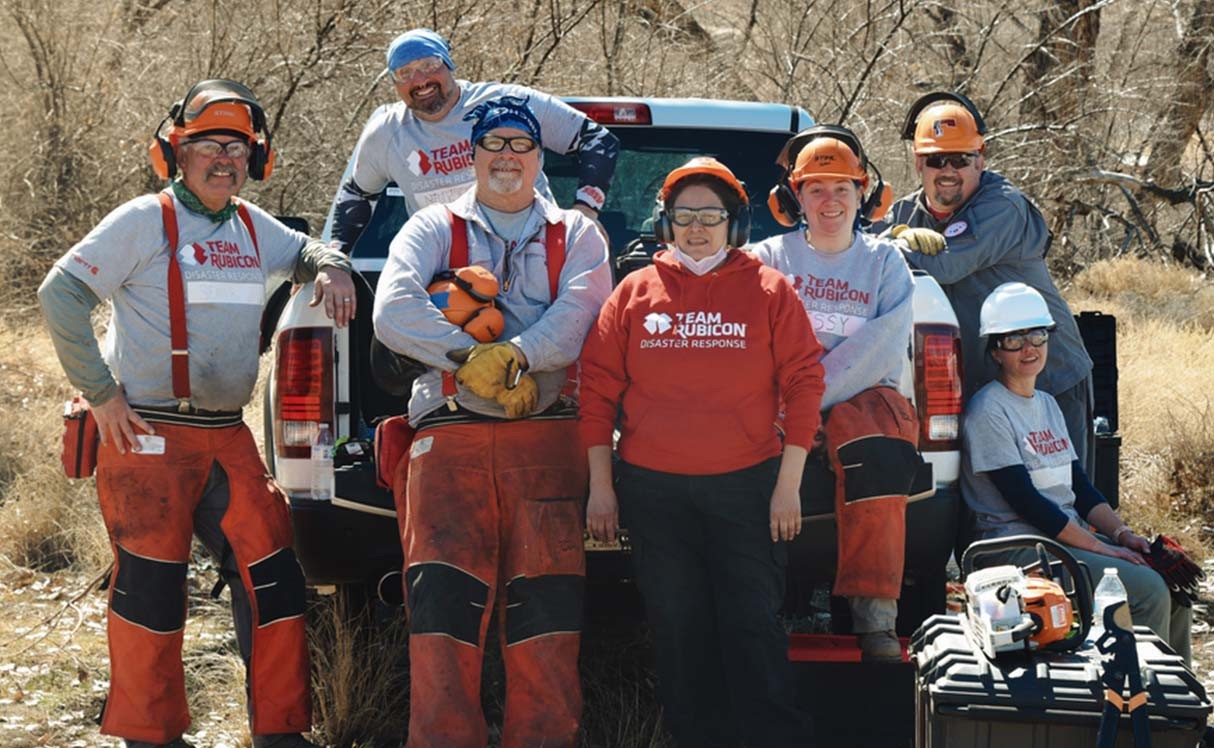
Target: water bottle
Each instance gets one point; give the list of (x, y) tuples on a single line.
[(1109, 591), (322, 463)]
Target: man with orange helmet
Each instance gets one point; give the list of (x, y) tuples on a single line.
[(490, 495), (994, 234), (857, 291), (187, 272), (421, 142)]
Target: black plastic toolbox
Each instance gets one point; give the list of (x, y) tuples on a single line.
[(965, 699)]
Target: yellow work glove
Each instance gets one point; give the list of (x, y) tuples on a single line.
[(521, 399), (924, 241), (487, 368)]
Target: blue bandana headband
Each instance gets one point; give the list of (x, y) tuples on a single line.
[(415, 45), (508, 111)]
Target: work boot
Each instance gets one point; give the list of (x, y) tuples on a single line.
[(178, 743), (879, 646), (283, 740)]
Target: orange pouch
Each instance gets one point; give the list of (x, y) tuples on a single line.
[(393, 438), (80, 439)]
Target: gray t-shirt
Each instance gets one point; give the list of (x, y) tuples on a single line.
[(1003, 429), (431, 162), (124, 259), (859, 301)]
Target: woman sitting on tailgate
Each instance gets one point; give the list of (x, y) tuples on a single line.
[(1020, 474), (692, 356), (857, 291)]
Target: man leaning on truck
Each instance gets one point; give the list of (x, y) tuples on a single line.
[(422, 144), (187, 272), (496, 475)]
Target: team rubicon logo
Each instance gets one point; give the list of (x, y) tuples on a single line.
[(939, 125), (448, 159), (692, 330), (219, 254), (657, 323)]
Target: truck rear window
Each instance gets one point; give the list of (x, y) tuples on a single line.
[(648, 154)]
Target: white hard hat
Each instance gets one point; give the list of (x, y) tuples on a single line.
[(1013, 306)]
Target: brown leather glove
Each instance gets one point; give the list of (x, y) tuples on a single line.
[(487, 368), (924, 241), (521, 399)]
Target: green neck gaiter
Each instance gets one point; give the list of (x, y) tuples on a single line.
[(191, 201)]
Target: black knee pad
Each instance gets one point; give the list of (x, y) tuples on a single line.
[(538, 606), (445, 599), (149, 593), (876, 466), (278, 585)]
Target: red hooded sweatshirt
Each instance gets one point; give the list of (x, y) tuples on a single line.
[(696, 367)]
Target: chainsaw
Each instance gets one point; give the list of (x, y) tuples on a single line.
[(1029, 608)]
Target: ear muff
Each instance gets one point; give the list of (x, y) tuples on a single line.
[(465, 296), (163, 152), (485, 324), (663, 229), (783, 204)]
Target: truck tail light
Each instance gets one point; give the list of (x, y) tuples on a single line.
[(938, 387), (615, 113), (304, 395)]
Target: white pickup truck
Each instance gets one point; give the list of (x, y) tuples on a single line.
[(322, 375)]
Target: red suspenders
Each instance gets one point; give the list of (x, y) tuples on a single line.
[(177, 328)]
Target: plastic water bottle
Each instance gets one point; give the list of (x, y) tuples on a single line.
[(322, 463), (1109, 591)]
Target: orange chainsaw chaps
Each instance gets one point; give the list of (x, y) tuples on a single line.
[(872, 444), (492, 516), (148, 503)]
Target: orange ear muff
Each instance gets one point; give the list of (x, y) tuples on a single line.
[(884, 203), (163, 154), (776, 203), (261, 160), (485, 324)]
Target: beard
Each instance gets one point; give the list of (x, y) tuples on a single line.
[(505, 182), (431, 105)]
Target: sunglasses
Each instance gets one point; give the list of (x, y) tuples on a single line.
[(497, 143), (955, 160), (208, 148), (1014, 341), (705, 216)]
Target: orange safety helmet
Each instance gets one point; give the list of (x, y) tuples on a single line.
[(465, 297), (944, 122), (827, 158), (739, 225), (214, 106)]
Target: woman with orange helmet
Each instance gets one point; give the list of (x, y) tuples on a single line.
[(692, 357), (857, 291)]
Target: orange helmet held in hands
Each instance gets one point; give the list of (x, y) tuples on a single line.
[(465, 297)]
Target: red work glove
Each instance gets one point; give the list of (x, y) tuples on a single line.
[(1176, 568)]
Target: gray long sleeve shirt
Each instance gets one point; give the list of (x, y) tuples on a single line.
[(125, 259), (997, 236), (549, 331), (859, 301)]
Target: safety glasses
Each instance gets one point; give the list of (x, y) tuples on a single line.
[(419, 69), (955, 160), (208, 148), (705, 216), (497, 143), (1014, 341)]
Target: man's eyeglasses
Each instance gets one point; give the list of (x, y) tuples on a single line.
[(955, 160), (1014, 341), (705, 216), (208, 148), (497, 143), (423, 68)]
